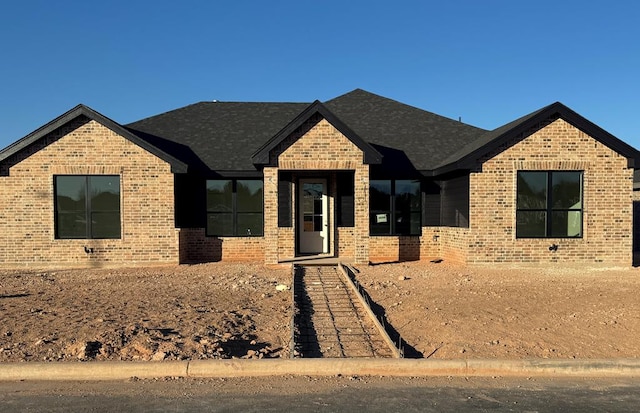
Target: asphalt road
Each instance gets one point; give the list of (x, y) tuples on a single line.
[(327, 394)]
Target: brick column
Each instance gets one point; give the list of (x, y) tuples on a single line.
[(270, 215), (361, 199)]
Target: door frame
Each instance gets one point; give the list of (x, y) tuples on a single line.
[(325, 234)]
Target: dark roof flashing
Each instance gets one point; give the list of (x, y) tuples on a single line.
[(261, 156), (83, 110)]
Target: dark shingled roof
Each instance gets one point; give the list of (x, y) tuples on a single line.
[(223, 136), (219, 135), (399, 131), (236, 137), (485, 139)]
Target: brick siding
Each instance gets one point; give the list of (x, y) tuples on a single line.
[(607, 200), (86, 148), (317, 149)]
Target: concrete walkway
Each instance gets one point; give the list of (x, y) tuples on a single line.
[(319, 367), (331, 322)]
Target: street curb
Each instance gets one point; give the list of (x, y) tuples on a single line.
[(115, 370)]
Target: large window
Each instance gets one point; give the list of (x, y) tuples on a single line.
[(394, 207), (234, 207), (549, 204), (87, 206)]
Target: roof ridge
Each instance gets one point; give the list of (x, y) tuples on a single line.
[(397, 102)]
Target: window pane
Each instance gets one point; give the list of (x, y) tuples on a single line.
[(71, 225), (415, 227), (531, 224), (105, 225), (532, 190), (249, 195), (105, 193), (408, 224), (566, 224), (250, 224), (407, 207), (308, 223), (71, 193), (380, 195), (71, 206), (380, 207), (220, 224), (219, 195), (566, 190), (408, 195), (379, 223), (403, 223), (345, 206)]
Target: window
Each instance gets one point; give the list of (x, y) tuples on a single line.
[(234, 207), (549, 204), (345, 206), (394, 207), (87, 206)]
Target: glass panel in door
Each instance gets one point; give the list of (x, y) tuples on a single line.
[(313, 229)]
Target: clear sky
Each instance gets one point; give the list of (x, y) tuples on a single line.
[(487, 61)]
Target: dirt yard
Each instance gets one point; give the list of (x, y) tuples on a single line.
[(236, 310)]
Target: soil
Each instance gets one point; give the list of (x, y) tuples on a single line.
[(221, 310)]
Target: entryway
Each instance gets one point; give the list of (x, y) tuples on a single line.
[(313, 216)]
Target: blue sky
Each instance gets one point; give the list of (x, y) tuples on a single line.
[(488, 61)]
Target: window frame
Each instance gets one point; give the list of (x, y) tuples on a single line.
[(392, 211), (235, 212), (89, 210), (549, 208)]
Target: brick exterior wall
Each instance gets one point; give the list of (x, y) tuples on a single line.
[(552, 145), (607, 200), (196, 247), (317, 149), (86, 148), (394, 248)]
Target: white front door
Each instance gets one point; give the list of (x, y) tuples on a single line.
[(313, 228)]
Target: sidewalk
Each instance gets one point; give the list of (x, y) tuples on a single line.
[(319, 367)]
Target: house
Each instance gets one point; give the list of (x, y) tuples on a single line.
[(360, 177)]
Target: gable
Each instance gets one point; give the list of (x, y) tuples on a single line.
[(555, 145), (504, 137), (317, 145), (265, 155), (79, 115)]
